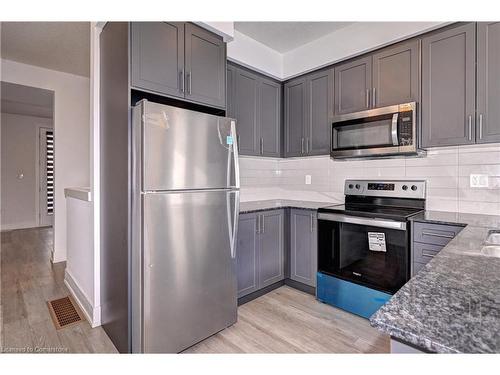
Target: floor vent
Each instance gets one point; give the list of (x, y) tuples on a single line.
[(63, 312)]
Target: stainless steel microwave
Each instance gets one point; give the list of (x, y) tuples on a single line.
[(385, 131)]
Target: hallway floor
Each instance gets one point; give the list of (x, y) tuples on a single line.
[(28, 281)]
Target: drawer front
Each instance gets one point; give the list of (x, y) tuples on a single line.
[(423, 252), (434, 234), (417, 267)]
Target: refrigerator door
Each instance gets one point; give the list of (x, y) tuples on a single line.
[(189, 267), (187, 150)]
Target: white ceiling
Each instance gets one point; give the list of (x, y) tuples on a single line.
[(26, 100), (286, 36), (62, 46)]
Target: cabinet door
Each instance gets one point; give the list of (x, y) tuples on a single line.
[(205, 66), (488, 82), (295, 117), (157, 57), (270, 117), (353, 83), (246, 112), (230, 90), (303, 246), (319, 112), (247, 254), (271, 254), (448, 87), (395, 75)]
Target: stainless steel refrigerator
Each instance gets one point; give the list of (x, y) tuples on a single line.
[(185, 205)]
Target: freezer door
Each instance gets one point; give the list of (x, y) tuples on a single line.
[(189, 267), (186, 150)]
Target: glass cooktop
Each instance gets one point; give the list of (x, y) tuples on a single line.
[(372, 211)]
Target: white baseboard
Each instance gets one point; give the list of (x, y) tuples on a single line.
[(14, 226), (92, 313)]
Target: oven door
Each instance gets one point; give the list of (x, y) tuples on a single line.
[(370, 252)]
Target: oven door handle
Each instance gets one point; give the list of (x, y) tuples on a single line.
[(394, 129), (397, 225)]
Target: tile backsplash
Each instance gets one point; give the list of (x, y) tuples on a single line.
[(447, 172)]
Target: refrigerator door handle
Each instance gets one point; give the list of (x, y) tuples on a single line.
[(233, 229), (236, 164)]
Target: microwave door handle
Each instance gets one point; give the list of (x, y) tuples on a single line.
[(394, 129)]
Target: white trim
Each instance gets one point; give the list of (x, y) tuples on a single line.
[(82, 194), (23, 225), (92, 314)]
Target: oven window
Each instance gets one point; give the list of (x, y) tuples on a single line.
[(363, 133), (345, 250)]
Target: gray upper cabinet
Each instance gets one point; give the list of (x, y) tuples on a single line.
[(180, 60), (448, 87), (303, 246), (488, 82), (270, 117), (246, 112), (247, 253), (396, 75), (295, 117), (205, 66), (157, 57), (353, 84), (272, 249), (319, 112), (255, 103)]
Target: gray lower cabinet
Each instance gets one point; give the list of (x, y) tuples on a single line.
[(353, 84), (448, 87), (255, 102), (488, 82), (396, 75), (157, 57), (260, 250), (180, 60), (308, 111), (303, 246)]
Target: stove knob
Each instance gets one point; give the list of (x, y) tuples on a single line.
[(413, 187), (357, 186), (351, 186), (405, 187)]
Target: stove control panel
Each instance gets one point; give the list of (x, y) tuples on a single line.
[(395, 189)]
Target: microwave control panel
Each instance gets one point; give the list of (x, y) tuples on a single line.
[(405, 128)]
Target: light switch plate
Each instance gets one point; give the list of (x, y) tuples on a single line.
[(308, 179), (479, 181)]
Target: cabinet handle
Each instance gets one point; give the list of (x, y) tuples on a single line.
[(262, 146), (307, 146), (312, 223), (373, 98), (367, 98), (239, 143), (450, 236), (188, 78), (181, 78), (481, 126), (263, 224), (257, 224), (470, 128), (428, 254), (302, 145)]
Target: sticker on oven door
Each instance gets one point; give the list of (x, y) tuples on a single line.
[(376, 241)]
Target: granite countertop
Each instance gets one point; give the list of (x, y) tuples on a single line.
[(453, 304), (263, 205)]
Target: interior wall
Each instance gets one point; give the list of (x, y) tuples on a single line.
[(447, 171), (19, 153), (71, 133)]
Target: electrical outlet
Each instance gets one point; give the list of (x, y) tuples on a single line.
[(479, 181), (308, 179)]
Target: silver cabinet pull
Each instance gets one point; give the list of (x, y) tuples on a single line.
[(470, 128), (257, 224), (238, 142), (307, 145), (302, 145), (481, 126), (263, 223), (367, 98), (428, 254), (188, 79), (181, 81), (312, 223), (373, 98), (262, 146), (450, 236)]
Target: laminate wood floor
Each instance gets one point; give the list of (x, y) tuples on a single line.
[(282, 321), (289, 321), (28, 280)]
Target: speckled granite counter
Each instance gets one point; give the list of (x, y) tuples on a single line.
[(254, 206), (453, 304)]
